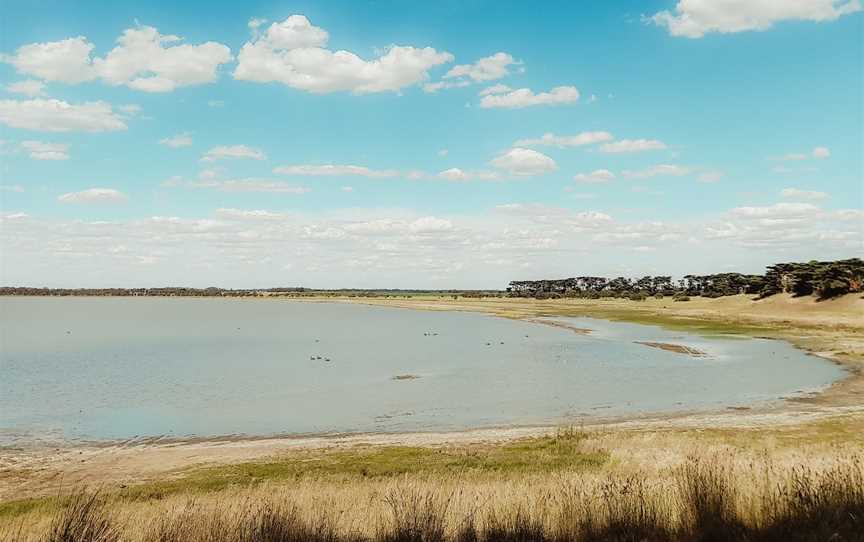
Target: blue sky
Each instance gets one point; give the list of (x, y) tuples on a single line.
[(448, 144)]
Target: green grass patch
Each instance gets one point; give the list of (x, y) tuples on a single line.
[(565, 451), (10, 509)]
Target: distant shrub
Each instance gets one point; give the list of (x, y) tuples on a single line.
[(638, 296), (681, 298)]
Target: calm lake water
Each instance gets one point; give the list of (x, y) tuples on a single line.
[(117, 368)]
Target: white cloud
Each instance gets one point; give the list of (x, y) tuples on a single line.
[(817, 153), (596, 176), (524, 162), (177, 141), (143, 60), (552, 140), (331, 170), (66, 61), (292, 52), (443, 152), (30, 87), (441, 85), (457, 174), (232, 151), (210, 173), (215, 103), (454, 174), (485, 69), (525, 97), (129, 109), (94, 195), (660, 170), (695, 18), (11, 188), (777, 211), (796, 193), (430, 224), (347, 188), (500, 88), (58, 116), (821, 152), (39, 150), (252, 185), (633, 145), (254, 215)]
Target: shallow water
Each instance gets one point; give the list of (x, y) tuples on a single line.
[(118, 368)]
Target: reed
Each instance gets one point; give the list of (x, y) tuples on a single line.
[(708, 498)]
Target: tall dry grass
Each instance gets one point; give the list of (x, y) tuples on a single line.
[(706, 499)]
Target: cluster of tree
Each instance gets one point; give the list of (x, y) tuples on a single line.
[(822, 279), (170, 291), (222, 292)]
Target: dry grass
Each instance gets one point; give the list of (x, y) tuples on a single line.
[(707, 498)]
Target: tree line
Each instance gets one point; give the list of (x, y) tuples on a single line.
[(821, 279)]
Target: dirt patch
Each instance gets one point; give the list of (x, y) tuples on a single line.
[(562, 325), (677, 348), (405, 377)]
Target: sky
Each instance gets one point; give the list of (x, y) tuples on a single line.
[(447, 144)]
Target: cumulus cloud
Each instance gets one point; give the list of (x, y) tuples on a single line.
[(695, 18), (39, 150), (797, 193), (143, 60), (817, 153), (500, 88), (177, 141), (251, 185), (94, 195), (660, 170), (430, 224), (66, 61), (777, 211), (292, 52), (552, 140), (399, 247), (457, 174), (232, 151), (633, 145), (486, 69), (254, 215), (524, 162), (596, 176), (525, 97), (821, 152), (29, 87), (51, 115), (334, 170)]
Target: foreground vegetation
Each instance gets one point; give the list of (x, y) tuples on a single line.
[(707, 498)]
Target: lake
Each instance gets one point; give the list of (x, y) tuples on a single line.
[(119, 368)]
